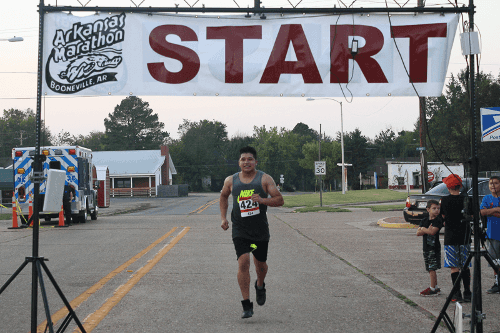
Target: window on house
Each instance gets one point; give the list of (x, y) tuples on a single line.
[(122, 182)]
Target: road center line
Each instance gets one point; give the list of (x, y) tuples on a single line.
[(95, 318), (205, 206), (63, 312)]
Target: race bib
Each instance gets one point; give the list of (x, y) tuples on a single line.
[(248, 207)]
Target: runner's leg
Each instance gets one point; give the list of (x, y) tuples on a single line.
[(261, 269), (244, 275)]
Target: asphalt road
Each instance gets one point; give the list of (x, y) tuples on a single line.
[(167, 266)]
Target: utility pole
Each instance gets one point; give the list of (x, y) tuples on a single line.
[(21, 138), (422, 133)]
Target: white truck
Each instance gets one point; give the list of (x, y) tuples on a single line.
[(80, 174)]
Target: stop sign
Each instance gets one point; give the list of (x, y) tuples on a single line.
[(430, 176)]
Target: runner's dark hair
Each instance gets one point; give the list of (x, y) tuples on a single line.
[(250, 150)]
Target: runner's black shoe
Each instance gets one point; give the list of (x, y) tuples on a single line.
[(261, 293), (247, 309)]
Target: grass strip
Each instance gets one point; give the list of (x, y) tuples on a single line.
[(321, 209), (337, 198), (382, 208)]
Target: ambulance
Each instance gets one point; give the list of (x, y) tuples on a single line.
[(80, 174)]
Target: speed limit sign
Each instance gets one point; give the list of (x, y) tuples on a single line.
[(320, 168)]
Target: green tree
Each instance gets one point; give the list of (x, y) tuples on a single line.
[(304, 131), (232, 151), (18, 129), (357, 153), (449, 126), (385, 143), (402, 145), (93, 141), (198, 153), (406, 143), (303, 178), (133, 126), (331, 153), (277, 152)]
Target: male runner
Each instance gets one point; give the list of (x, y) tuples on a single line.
[(250, 189)]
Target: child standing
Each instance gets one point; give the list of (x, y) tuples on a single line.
[(429, 229), (490, 208), (456, 237)]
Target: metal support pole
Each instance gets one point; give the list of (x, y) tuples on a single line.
[(422, 134), (342, 148), (37, 170), (423, 143), (477, 307), (320, 177)]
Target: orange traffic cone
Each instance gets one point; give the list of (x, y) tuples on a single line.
[(14, 214), (61, 219)]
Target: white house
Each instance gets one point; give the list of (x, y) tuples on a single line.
[(401, 173), (137, 172)]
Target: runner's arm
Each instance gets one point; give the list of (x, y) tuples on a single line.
[(223, 202), (269, 186)]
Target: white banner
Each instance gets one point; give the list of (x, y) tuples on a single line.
[(306, 55)]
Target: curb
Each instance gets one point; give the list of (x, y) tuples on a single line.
[(395, 222)]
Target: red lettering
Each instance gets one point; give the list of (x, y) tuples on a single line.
[(419, 36), (189, 59), (234, 37), (341, 53), (305, 63)]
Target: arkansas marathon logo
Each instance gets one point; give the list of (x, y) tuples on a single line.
[(85, 55)]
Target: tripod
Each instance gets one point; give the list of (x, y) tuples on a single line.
[(37, 264), (476, 312)]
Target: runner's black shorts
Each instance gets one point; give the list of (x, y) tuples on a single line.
[(243, 245)]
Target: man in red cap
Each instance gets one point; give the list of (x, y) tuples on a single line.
[(457, 237)]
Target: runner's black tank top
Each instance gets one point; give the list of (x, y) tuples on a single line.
[(249, 218)]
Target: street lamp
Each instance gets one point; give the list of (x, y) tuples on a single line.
[(341, 138), (13, 39)]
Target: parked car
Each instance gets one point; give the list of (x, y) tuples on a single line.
[(415, 210)]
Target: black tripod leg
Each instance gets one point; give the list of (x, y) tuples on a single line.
[(448, 323), (488, 258), (450, 296), (65, 323), (65, 301), (14, 275), (44, 296)]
